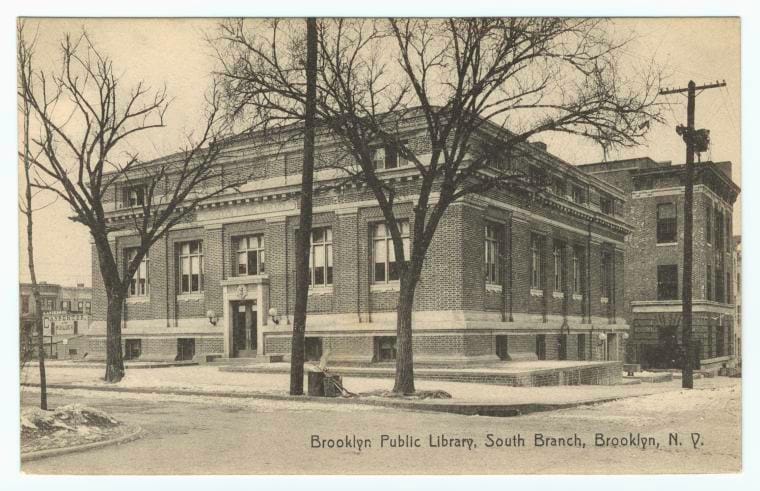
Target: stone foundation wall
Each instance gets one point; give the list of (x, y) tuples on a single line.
[(151, 348)]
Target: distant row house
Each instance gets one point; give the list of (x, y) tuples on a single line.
[(65, 315)]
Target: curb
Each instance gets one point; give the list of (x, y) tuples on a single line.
[(466, 409), (55, 452), (127, 366)]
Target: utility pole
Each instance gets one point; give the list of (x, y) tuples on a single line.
[(690, 137)]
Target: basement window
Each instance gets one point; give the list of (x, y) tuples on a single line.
[(385, 348), (132, 349)]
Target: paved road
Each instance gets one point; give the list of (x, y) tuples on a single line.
[(186, 435)]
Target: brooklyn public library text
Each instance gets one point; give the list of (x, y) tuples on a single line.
[(489, 440), (393, 441)]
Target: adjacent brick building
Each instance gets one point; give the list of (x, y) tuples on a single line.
[(654, 259), (65, 316), (508, 276)]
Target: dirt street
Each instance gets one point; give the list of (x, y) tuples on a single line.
[(212, 435)]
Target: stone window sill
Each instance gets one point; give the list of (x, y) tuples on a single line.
[(666, 244), (558, 294), (138, 299), (190, 297), (604, 300), (491, 287), (536, 293), (321, 290), (577, 296), (385, 287)]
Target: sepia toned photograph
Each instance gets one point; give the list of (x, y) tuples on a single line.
[(379, 246)]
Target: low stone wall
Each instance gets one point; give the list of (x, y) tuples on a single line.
[(609, 373), (601, 373)]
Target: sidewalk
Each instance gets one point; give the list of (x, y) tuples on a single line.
[(467, 398)]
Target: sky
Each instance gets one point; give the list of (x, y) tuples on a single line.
[(174, 53)]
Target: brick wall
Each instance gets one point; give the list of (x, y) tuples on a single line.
[(452, 277)]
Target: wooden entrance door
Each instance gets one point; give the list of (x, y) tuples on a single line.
[(610, 347), (244, 329)]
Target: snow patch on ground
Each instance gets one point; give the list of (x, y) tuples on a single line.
[(66, 426)]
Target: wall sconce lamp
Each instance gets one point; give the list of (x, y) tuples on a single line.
[(274, 315), (212, 318), (602, 338), (625, 336)]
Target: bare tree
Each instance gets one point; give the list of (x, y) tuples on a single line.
[(83, 120), (25, 52), (481, 87)]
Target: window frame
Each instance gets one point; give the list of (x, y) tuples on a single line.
[(607, 279), (708, 223), (578, 270), (387, 240), (259, 249), (607, 205), (728, 231), (190, 256), (667, 288), (720, 287), (664, 234), (559, 260), (139, 195), (326, 245), (718, 224), (559, 187), (391, 157), (536, 262), (578, 194), (491, 253), (379, 342), (132, 291)]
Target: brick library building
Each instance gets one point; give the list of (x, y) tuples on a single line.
[(507, 277), (654, 260)]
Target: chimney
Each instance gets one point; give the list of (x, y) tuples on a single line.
[(539, 144), (724, 167)]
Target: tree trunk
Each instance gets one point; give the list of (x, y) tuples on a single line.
[(38, 321), (404, 383), (114, 359), (303, 238), (41, 355)]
